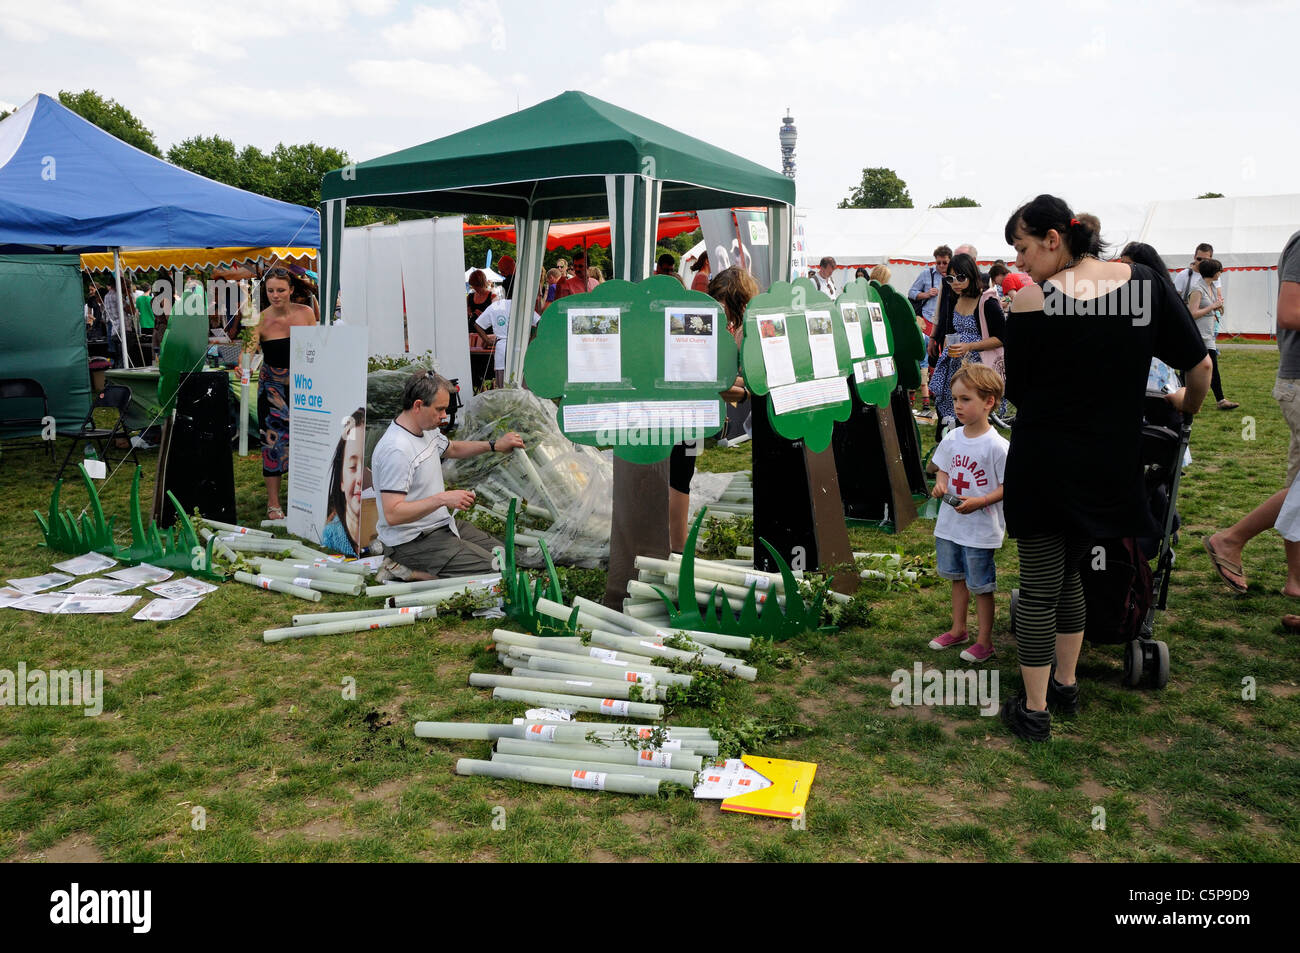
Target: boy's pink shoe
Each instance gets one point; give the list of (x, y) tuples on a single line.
[(948, 640), (977, 653)]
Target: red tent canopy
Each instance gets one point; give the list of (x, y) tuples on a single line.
[(569, 234)]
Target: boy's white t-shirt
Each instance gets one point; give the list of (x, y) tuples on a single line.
[(975, 468), (495, 319)]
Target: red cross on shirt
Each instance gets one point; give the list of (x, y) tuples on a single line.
[(960, 483)]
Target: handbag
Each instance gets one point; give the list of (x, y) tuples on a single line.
[(994, 357)]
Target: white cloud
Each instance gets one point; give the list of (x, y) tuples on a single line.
[(447, 30), (372, 8), (459, 83)]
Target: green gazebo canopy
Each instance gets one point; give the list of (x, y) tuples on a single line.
[(550, 161)]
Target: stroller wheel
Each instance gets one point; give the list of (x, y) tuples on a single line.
[(1160, 666), (1015, 601), (1133, 664)]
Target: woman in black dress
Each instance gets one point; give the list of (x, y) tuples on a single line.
[(1078, 348)]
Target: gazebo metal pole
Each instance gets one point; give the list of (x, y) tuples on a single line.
[(121, 309)]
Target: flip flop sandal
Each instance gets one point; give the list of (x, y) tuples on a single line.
[(1223, 567), (274, 513)]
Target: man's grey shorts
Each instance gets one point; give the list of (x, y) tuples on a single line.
[(441, 553)]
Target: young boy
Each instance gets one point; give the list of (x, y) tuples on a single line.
[(971, 464)]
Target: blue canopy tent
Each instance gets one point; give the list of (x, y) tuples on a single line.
[(67, 186)]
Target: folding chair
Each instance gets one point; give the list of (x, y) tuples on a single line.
[(26, 390), (113, 397)]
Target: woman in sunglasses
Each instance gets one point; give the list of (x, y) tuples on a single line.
[(961, 336), (278, 317)]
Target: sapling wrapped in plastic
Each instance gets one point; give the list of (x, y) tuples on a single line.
[(568, 488)]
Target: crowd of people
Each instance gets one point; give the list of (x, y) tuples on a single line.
[(994, 339)]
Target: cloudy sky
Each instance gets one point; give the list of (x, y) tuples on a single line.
[(999, 101)]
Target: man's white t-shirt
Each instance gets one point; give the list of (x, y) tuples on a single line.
[(404, 463), (825, 285), (975, 468), (495, 319)]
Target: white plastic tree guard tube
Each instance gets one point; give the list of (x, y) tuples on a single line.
[(731, 666), (345, 572), (734, 575), (644, 630), (616, 707), (277, 585), (558, 777), (437, 596), (590, 752), (257, 544), (315, 618), (311, 582), (671, 775), (467, 731), (576, 667), (287, 570), (337, 628), (429, 585), (572, 685), (220, 548), (236, 528), (647, 681), (589, 653)]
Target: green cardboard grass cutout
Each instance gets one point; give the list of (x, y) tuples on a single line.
[(177, 548), (520, 594), (773, 623), (785, 314), (875, 374), (637, 366)]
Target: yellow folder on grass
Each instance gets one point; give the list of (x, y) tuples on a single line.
[(785, 797)]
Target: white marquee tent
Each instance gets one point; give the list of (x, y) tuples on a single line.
[(1247, 233)]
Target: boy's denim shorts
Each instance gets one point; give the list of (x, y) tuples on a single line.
[(975, 566)]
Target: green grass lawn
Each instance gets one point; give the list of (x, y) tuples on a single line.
[(203, 721)]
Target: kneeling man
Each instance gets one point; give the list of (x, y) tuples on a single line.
[(415, 521)]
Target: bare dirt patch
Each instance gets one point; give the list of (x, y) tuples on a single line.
[(77, 849)]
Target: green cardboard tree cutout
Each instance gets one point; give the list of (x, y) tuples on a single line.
[(874, 373), (909, 342), (802, 373), (184, 344), (637, 366)]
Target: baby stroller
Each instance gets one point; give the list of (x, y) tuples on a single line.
[(1122, 590)]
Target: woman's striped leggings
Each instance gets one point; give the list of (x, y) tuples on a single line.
[(1051, 595)]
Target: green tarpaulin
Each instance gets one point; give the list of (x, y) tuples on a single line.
[(43, 334)]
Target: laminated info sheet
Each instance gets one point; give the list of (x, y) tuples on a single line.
[(187, 588), (595, 356), (808, 394), (853, 328), (34, 584), (163, 610), (141, 575), (774, 338), (690, 344), (878, 336), (99, 587), (821, 342), (86, 564)]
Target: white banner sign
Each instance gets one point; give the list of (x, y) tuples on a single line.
[(327, 389)]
